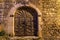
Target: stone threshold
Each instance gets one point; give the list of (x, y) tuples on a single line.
[(25, 37)]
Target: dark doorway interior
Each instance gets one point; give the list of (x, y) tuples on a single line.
[(26, 22)]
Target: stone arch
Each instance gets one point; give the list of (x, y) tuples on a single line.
[(12, 11)]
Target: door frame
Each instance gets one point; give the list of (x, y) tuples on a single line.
[(12, 12)]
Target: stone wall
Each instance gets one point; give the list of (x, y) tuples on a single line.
[(50, 10), (50, 29)]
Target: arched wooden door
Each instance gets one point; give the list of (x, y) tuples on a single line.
[(25, 22)]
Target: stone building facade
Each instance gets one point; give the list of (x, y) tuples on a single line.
[(44, 13)]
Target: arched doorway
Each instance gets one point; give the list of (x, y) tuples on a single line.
[(26, 22)]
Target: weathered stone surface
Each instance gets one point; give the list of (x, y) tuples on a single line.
[(50, 10)]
